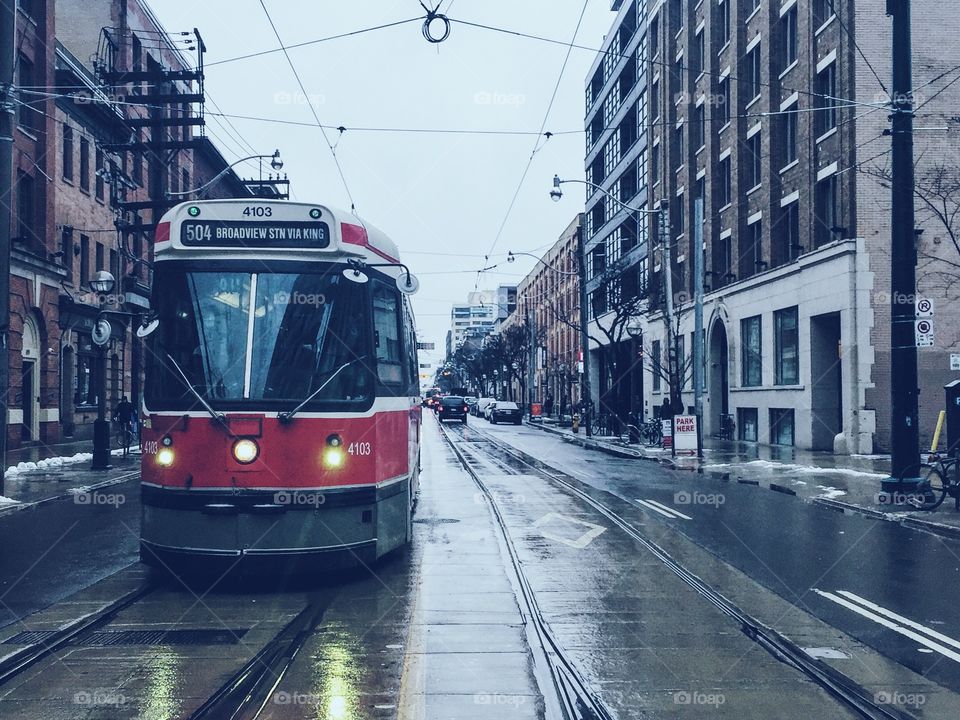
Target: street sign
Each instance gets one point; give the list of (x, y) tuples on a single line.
[(685, 435), (955, 361), (426, 346), (924, 332), (666, 433), (924, 307)]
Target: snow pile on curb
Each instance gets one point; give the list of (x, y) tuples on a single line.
[(790, 467), (830, 492), (48, 464), (4, 501)]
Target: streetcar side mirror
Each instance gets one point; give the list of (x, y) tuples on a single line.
[(355, 275), (148, 327), (408, 283)]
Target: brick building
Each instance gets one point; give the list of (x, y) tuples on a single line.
[(550, 292), (769, 114)]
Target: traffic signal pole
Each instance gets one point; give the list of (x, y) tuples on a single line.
[(904, 432)]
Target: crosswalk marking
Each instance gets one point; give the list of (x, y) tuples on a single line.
[(663, 509)]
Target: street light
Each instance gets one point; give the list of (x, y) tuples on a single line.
[(275, 162), (101, 283)]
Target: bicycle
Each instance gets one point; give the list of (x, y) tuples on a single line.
[(939, 477), (651, 432), (125, 436)]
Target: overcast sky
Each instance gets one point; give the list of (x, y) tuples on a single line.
[(441, 197)]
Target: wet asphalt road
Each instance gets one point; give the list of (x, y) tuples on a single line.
[(792, 548), (55, 549)]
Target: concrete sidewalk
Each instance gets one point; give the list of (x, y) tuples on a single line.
[(29, 488), (845, 483)]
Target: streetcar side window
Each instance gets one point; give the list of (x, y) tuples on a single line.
[(386, 329)]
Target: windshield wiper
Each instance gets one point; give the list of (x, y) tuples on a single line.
[(286, 417), (213, 413)]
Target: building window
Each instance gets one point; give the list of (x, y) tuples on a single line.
[(699, 50), (98, 175), (723, 101), (725, 267), (826, 90), (84, 164), (84, 259), (699, 127), (26, 113), (656, 360), (723, 7), (751, 352), (724, 183), (138, 168), (99, 257), (679, 219), (67, 152), (787, 346), (789, 135), (822, 11), (781, 426), (26, 207), (676, 15), (788, 24), (747, 422), (752, 74), (750, 252), (678, 139), (790, 232), (84, 381), (655, 100), (825, 210), (754, 161)]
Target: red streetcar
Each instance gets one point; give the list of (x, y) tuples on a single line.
[(281, 408)]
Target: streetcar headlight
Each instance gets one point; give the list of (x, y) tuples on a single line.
[(333, 455), (165, 457), (245, 451)]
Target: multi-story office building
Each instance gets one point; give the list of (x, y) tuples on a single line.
[(769, 113), (615, 228), (476, 317)]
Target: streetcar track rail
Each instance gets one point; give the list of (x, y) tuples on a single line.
[(834, 682), (19, 660), (246, 693), (577, 700)]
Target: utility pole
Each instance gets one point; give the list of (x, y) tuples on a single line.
[(8, 35), (667, 269), (905, 439), (698, 343), (585, 395), (531, 360)]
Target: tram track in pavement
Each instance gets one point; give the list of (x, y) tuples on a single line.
[(577, 700), (838, 685)]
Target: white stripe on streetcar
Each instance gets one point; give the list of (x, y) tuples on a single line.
[(665, 513), (880, 620), (670, 509), (947, 640)]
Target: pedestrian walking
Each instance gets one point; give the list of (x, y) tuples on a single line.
[(124, 415)]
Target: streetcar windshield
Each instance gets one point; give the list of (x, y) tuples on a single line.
[(243, 337)]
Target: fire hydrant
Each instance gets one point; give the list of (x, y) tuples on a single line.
[(575, 423)]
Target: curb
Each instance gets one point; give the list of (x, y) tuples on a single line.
[(934, 528), (110, 482)]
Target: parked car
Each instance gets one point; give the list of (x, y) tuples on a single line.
[(481, 406), (452, 407), (489, 408), (506, 412)]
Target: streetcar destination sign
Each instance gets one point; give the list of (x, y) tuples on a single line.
[(224, 233)]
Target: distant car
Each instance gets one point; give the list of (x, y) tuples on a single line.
[(481, 406), (506, 412), (489, 408), (452, 407), (471, 401)]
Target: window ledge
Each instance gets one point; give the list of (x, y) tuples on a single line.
[(725, 46), (752, 102), (755, 11), (826, 24), (832, 131), (767, 388), (700, 149), (789, 67), (789, 166), (679, 169), (753, 189), (724, 126), (28, 133), (725, 207)]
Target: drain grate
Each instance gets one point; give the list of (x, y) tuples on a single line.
[(107, 638)]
